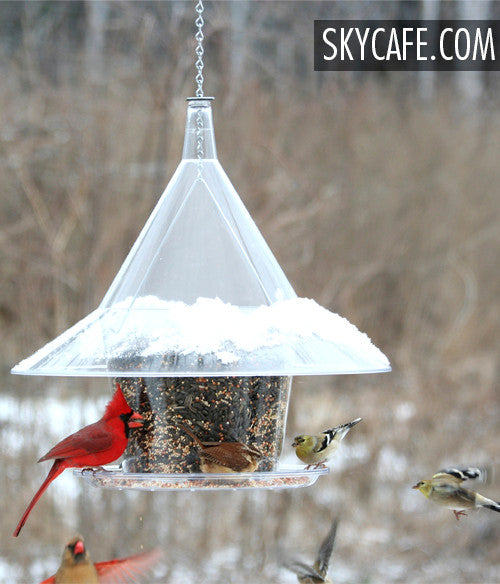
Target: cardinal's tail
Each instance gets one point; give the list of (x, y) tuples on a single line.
[(55, 471)]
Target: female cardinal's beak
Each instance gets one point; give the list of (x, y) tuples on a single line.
[(135, 421), (79, 548)]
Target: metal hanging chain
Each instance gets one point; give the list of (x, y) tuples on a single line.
[(199, 48), (199, 136), (199, 82)]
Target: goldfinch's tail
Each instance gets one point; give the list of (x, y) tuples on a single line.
[(493, 505), (339, 432), (488, 503)]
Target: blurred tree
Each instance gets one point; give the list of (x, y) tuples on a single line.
[(427, 79), (470, 84), (96, 14)]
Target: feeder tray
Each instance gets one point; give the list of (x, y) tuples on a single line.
[(286, 477), (201, 328)]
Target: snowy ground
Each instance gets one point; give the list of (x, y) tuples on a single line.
[(387, 533)]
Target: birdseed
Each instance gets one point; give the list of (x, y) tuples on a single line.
[(251, 410)]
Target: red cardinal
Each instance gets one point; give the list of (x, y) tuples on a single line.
[(77, 568), (94, 445)]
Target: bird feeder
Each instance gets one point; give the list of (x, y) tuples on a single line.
[(202, 329)]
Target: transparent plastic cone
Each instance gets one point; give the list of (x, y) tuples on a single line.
[(201, 293)]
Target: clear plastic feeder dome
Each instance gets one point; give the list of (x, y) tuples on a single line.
[(201, 327)]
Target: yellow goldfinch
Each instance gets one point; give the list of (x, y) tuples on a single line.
[(318, 572), (318, 449), (445, 489)]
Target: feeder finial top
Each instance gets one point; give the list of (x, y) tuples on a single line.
[(199, 137)]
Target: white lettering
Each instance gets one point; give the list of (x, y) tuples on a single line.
[(441, 44), (406, 42), (362, 41), (420, 44), (484, 48), (374, 43), (464, 56), (393, 47), (344, 39), (329, 43)]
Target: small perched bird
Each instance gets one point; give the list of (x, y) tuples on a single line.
[(94, 445), (318, 572), (225, 457), (318, 449), (445, 489), (77, 567)]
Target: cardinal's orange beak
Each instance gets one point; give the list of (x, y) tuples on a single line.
[(135, 421), (79, 548)]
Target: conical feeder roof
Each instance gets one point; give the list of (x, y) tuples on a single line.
[(201, 293)]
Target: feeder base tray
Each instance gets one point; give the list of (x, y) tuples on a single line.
[(286, 477)]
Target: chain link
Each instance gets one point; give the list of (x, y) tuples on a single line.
[(199, 49), (199, 37)]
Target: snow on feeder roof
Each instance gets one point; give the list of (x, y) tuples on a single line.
[(201, 293)]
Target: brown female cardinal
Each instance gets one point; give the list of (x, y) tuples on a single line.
[(92, 446), (77, 567)]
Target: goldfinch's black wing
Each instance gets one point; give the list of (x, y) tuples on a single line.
[(462, 474), (447, 486), (328, 437), (326, 549), (321, 445), (466, 497), (305, 571), (335, 433), (445, 477)]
